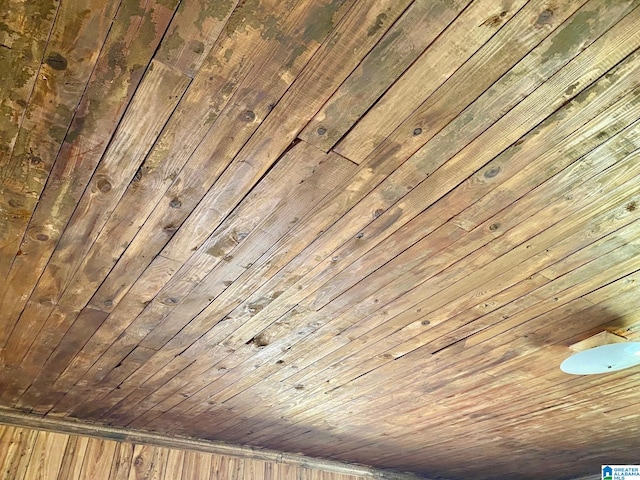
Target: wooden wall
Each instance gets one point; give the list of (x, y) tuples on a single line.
[(27, 454)]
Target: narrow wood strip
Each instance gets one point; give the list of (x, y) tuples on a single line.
[(123, 462), (323, 74), (108, 334), (316, 78), (254, 362), (507, 342), (149, 462), (175, 464), (395, 117), (345, 228), (294, 204)]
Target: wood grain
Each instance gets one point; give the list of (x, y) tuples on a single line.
[(149, 461), (361, 231), (67, 62), (107, 94)]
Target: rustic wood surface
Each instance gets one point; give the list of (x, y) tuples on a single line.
[(29, 454), (361, 230)]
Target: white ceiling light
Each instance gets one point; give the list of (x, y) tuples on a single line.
[(602, 353)]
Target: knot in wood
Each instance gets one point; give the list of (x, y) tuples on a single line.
[(321, 131), (544, 18), (56, 61), (104, 185), (492, 172), (248, 116), (417, 131)]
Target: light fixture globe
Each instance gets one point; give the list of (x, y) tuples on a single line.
[(603, 359)]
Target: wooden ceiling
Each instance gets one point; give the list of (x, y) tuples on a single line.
[(360, 230)]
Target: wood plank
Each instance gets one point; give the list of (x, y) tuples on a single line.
[(236, 468), (149, 463), (73, 458), (6, 439), (36, 394), (470, 217), (145, 380), (123, 462), (175, 463), (103, 103), (183, 17), (416, 192), (254, 470), (98, 459), (299, 101), (412, 33), (47, 456), (550, 322), (440, 339), (183, 398), (69, 58), (74, 402), (346, 229), (260, 223), (300, 264), (197, 465), (18, 453), (294, 205), (287, 118), (109, 333)]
